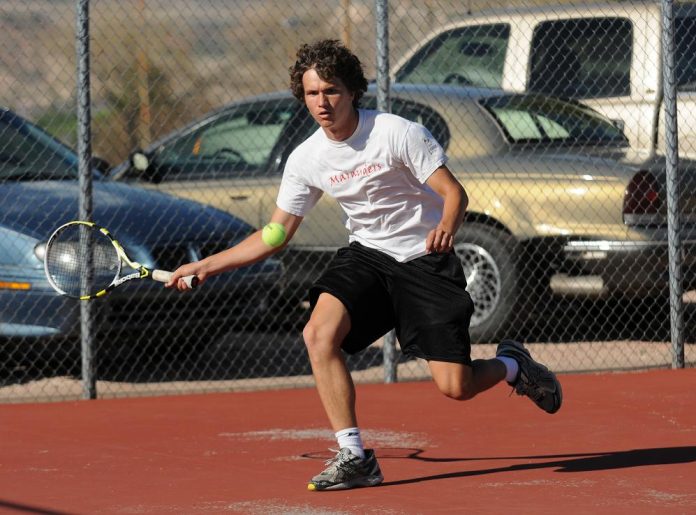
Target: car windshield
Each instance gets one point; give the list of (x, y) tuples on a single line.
[(237, 142), (27, 153), (536, 119), (472, 56)]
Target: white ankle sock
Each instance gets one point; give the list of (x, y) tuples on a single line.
[(350, 437), (511, 367)]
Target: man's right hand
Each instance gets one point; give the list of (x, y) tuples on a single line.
[(196, 268)]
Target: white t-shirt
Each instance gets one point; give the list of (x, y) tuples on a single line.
[(378, 177)]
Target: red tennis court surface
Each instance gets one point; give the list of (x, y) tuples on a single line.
[(622, 443)]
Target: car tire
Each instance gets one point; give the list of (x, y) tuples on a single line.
[(488, 257)]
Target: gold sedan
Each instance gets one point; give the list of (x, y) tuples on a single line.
[(559, 204)]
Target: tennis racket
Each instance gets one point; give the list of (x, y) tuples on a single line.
[(67, 266)]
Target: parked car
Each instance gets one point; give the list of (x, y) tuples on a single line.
[(558, 201), (607, 55), (39, 191)]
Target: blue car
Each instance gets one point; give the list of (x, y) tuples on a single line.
[(39, 191)]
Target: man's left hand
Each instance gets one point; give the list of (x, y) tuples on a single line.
[(439, 240)]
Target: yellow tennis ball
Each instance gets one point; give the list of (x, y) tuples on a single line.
[(273, 234)]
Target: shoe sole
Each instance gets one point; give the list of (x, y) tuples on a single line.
[(557, 395), (355, 483)]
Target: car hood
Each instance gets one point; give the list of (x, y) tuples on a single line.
[(38, 208)]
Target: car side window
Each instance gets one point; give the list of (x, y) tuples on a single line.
[(470, 56), (582, 58), (237, 143), (541, 120), (418, 113)]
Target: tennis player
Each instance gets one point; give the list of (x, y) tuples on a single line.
[(403, 208)]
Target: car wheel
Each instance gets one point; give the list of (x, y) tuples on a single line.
[(487, 256)]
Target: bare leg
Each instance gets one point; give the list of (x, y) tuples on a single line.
[(463, 382), (323, 335)]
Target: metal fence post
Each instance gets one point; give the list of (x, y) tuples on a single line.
[(382, 28), (672, 163), (84, 152), (384, 104)]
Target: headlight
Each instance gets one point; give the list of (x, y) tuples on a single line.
[(40, 251)]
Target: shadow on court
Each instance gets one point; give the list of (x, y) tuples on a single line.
[(26, 508), (584, 462)]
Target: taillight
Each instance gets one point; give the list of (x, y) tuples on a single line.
[(642, 199)]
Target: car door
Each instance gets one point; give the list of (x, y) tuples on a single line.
[(234, 161), (229, 160)]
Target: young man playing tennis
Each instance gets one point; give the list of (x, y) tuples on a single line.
[(399, 271)]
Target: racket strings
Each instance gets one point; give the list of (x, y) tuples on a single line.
[(68, 266)]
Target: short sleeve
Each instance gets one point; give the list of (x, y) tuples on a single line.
[(421, 153), (295, 196)]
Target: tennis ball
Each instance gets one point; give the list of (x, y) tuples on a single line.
[(273, 234)]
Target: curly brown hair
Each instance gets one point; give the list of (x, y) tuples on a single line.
[(331, 59)]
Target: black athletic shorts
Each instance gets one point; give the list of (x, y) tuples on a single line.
[(424, 300)]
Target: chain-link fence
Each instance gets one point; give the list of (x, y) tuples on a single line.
[(552, 116)]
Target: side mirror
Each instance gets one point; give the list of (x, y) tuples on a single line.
[(619, 124)]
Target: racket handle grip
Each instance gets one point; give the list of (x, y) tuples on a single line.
[(163, 276)]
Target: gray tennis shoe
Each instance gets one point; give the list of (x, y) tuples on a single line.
[(534, 380), (346, 470)]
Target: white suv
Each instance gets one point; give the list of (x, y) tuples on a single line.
[(610, 56)]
